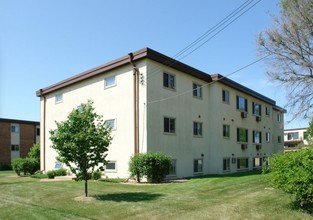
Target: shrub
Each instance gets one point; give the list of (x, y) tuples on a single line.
[(60, 172), (51, 174), (96, 175), (39, 175), (25, 166), (153, 166), (293, 173)]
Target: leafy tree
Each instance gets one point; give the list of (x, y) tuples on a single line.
[(293, 173), (34, 152), (82, 141), (289, 45)]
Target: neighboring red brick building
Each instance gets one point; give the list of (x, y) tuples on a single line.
[(16, 138)]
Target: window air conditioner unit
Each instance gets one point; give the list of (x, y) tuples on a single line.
[(244, 114), (258, 118), (258, 147), (244, 146)]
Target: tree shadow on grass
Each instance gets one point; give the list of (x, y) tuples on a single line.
[(128, 197)]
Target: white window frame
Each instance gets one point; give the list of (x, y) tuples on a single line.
[(197, 90), (197, 129), (240, 100), (108, 123), (225, 96), (15, 147), (268, 137), (239, 165), (279, 117), (111, 170), (226, 131), (256, 137), (260, 161), (171, 81), (199, 165), (169, 130), (15, 128), (246, 135), (256, 109), (108, 83), (267, 111), (58, 98), (227, 160), (173, 168)]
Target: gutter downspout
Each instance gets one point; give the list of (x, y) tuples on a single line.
[(136, 103), (43, 132)]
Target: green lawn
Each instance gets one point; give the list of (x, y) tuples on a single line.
[(244, 196)]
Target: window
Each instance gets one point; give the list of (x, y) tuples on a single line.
[(197, 129), (293, 136), (305, 135), (257, 137), (267, 111), (15, 128), (15, 147), (226, 131), (168, 81), (226, 164), (242, 135), (279, 139), (256, 109), (110, 166), (278, 117), (242, 104), (268, 136), (110, 124), (172, 171), (198, 166), (169, 125), (109, 82), (37, 131), (257, 162), (59, 98), (226, 96), (197, 90), (242, 163)]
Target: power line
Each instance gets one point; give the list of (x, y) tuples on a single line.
[(207, 84), (229, 19)]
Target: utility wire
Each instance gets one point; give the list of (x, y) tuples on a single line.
[(190, 90), (229, 18)]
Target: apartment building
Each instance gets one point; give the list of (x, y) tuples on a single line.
[(208, 124), (16, 139), (295, 137)]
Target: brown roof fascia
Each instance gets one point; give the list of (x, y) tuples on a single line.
[(140, 54), (235, 85), (18, 121), (170, 62)]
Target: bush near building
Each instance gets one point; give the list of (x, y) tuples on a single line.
[(153, 166), (293, 173)]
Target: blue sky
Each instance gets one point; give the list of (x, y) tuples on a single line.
[(43, 42)]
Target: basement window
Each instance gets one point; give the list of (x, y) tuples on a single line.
[(111, 167)]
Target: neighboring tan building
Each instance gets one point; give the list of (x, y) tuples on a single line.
[(16, 139), (208, 124), (296, 137)]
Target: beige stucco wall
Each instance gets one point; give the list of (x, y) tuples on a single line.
[(155, 103), (113, 103), (212, 147)]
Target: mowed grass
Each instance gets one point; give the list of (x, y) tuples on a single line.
[(244, 196)]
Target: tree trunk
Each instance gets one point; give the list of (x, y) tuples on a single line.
[(86, 185)]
